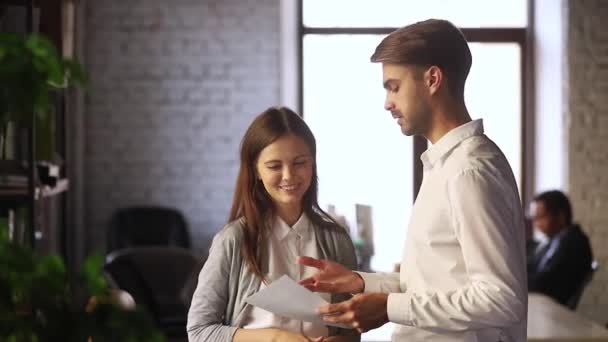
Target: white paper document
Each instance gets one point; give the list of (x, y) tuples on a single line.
[(285, 297)]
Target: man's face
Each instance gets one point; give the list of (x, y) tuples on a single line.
[(407, 97), (543, 220)]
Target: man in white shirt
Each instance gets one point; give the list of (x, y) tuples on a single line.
[(463, 271)]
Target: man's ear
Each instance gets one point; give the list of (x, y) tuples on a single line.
[(434, 79)]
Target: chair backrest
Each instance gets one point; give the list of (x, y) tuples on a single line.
[(576, 297), (147, 226), (162, 279)]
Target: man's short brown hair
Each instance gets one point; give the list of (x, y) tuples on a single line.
[(427, 43)]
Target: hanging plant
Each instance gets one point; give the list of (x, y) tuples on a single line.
[(30, 70)]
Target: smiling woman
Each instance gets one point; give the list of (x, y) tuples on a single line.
[(275, 218)]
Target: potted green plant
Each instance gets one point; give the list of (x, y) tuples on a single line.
[(40, 302), (31, 70)]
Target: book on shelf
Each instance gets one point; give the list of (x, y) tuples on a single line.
[(13, 191), (41, 191), (10, 181)]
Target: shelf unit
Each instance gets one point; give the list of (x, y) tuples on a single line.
[(26, 194)]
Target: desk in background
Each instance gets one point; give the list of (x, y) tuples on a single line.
[(548, 321)]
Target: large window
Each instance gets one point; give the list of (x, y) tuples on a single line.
[(363, 157)]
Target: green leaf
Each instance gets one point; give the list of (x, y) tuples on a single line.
[(56, 73), (94, 280), (75, 73), (41, 47), (29, 67)]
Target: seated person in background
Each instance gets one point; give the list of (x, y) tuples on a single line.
[(275, 217), (558, 266)]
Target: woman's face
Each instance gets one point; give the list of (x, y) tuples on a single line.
[(285, 167)]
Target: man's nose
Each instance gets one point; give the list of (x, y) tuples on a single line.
[(388, 105)]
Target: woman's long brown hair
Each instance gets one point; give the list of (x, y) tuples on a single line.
[(251, 201)]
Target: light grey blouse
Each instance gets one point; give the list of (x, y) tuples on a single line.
[(225, 282)]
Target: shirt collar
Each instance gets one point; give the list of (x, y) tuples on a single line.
[(450, 140), (282, 229)]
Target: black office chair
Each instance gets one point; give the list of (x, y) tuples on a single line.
[(147, 226), (160, 279), (576, 297)]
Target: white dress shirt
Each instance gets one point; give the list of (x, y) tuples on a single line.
[(285, 245), (463, 271)]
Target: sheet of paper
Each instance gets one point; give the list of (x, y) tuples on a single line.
[(285, 297)]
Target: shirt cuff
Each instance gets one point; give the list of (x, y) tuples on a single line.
[(372, 281), (398, 308)]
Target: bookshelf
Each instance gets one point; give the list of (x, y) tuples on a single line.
[(33, 189)]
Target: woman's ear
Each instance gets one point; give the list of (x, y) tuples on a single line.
[(257, 174)]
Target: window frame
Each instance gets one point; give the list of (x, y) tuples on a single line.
[(518, 35)]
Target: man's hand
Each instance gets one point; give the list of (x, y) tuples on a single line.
[(362, 312), (332, 277)]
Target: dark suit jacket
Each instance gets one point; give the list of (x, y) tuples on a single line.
[(565, 269)]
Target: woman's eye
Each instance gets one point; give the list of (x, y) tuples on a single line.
[(274, 167)]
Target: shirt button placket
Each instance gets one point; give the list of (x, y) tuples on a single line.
[(298, 251)]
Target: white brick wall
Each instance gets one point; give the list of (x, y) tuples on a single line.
[(174, 84), (587, 69)]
